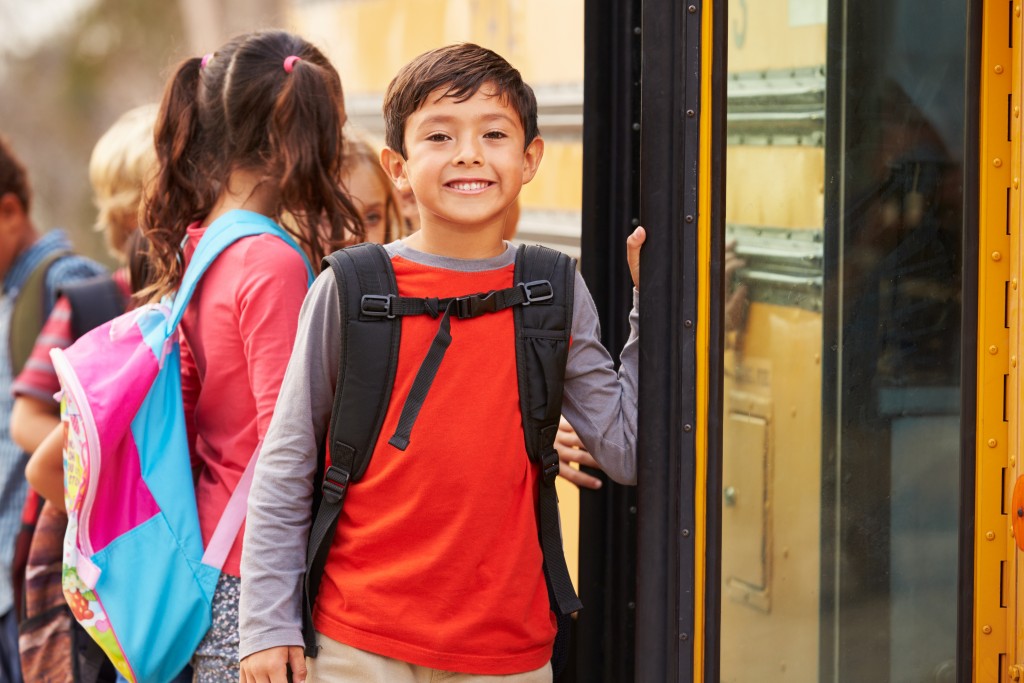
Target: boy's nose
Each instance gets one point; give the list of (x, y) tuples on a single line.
[(468, 153)]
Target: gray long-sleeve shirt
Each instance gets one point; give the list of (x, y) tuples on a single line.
[(599, 402)]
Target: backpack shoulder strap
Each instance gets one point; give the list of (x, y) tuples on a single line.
[(222, 233), (29, 312), (542, 349), (93, 302), (366, 373)]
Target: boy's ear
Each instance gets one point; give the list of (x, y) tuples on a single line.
[(531, 158), (394, 165), (11, 208)]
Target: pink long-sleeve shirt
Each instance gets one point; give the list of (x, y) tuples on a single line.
[(237, 336)]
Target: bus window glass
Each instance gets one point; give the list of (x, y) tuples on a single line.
[(844, 203)]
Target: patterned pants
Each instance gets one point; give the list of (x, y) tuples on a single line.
[(216, 659)]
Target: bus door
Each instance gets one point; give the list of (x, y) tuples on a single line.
[(849, 197)]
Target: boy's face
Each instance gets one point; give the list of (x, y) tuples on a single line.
[(14, 230), (466, 161)]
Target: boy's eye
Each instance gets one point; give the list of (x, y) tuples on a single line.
[(495, 135), (437, 137)]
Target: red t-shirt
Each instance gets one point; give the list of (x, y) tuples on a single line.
[(436, 560), (237, 336)]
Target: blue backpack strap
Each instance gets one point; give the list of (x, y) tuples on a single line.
[(222, 233)]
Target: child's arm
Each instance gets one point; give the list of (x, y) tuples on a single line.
[(599, 402), (32, 419), (45, 468), (279, 511)]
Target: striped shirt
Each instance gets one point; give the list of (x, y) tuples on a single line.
[(13, 486)]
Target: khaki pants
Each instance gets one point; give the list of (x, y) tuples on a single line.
[(339, 663)]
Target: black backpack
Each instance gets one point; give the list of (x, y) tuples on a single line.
[(541, 300)]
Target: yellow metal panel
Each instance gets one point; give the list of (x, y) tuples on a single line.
[(774, 633), (753, 195), (1014, 576), (769, 35), (992, 626), (558, 184), (369, 40)]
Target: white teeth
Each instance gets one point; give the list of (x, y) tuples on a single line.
[(468, 187)]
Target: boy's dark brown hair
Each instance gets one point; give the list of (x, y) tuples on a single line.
[(13, 177), (460, 69)]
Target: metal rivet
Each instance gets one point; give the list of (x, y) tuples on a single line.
[(687, 428), (990, 535), (684, 636), (986, 629), (1016, 10), (635, 222), (1013, 283), (686, 533), (1013, 361), (636, 30), (631, 605), (688, 323), (691, 9), (1016, 112), (992, 443), (689, 219), (997, 162), (1016, 183), (993, 350), (691, 113), (999, 68), (996, 256), (632, 509), (1020, 512)]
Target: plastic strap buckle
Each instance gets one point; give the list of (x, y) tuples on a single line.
[(378, 305), (475, 304), (335, 484), (550, 467), (532, 296)]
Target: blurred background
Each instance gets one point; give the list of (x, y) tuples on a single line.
[(69, 68)]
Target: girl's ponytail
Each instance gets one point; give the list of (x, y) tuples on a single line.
[(178, 195), (306, 144)]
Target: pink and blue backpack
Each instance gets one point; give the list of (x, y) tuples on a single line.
[(136, 574)]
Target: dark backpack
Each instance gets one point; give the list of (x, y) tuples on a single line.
[(541, 301)]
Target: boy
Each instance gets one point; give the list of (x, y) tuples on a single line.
[(435, 565), (32, 269)]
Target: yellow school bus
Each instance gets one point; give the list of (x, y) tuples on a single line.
[(829, 430)]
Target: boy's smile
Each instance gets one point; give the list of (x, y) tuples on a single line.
[(466, 161)]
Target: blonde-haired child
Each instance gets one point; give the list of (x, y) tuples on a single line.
[(121, 162)]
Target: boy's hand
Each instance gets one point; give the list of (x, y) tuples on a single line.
[(270, 666), (571, 450), (633, 244), (736, 300)]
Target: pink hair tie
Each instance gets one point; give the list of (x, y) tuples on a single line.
[(289, 63), (206, 60)]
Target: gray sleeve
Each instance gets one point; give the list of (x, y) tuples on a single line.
[(279, 511), (600, 403)]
